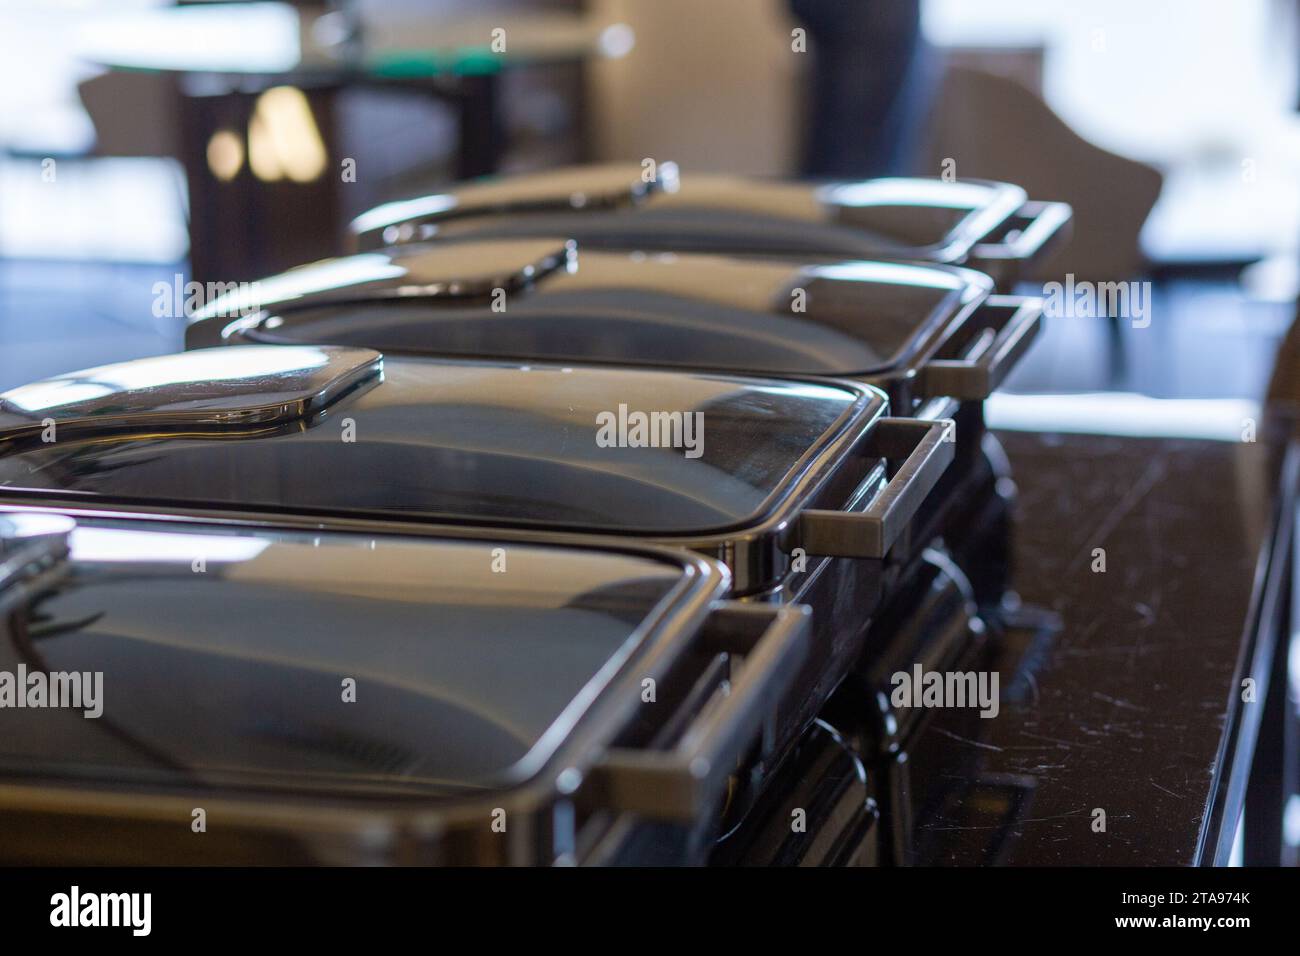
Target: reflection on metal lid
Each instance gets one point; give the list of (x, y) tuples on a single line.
[(111, 545), (464, 677), (971, 284), (295, 283), (906, 192), (18, 530), (205, 388), (587, 448), (417, 208), (31, 543), (452, 270), (573, 188)]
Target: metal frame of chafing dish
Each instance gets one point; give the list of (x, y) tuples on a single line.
[(614, 767)]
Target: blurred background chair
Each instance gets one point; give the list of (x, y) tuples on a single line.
[(994, 127)]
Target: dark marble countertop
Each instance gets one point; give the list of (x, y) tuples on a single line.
[(1122, 689), (1118, 686)]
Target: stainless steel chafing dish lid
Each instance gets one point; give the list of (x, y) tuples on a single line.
[(592, 188), (334, 667), (257, 391), (615, 206), (542, 446), (558, 302)]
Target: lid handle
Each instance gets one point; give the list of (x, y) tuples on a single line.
[(215, 390), (450, 270), (686, 781), (926, 449), (568, 190), (1028, 236), (983, 349)]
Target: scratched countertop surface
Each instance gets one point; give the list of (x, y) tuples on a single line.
[(1116, 685)]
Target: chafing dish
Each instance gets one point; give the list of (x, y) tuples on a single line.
[(986, 225), (800, 486), (917, 331), (490, 718)]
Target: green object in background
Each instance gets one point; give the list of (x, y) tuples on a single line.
[(466, 61)]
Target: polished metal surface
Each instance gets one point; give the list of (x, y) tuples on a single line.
[(431, 635), (576, 188), (723, 468), (30, 543), (381, 693), (925, 448), (19, 531), (884, 218), (819, 810), (448, 272), (523, 450), (509, 444), (1033, 233), (859, 319), (190, 392)]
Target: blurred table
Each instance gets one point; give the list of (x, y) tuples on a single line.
[(266, 199)]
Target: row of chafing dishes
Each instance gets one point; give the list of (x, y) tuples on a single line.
[(363, 585)]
